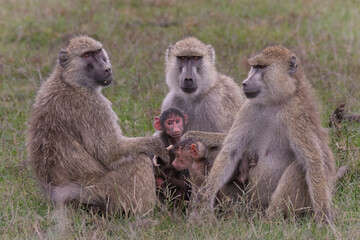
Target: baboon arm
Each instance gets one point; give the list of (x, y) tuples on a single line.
[(210, 139), (308, 152), (147, 145), (220, 173)]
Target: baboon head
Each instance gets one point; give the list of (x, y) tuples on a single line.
[(273, 76), (172, 122), (187, 153), (85, 62), (190, 66)]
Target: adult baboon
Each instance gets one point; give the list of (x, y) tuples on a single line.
[(76, 148), (210, 99), (279, 122)]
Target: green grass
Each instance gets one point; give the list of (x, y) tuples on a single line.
[(326, 34)]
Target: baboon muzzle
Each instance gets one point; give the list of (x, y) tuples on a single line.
[(106, 77), (188, 85)]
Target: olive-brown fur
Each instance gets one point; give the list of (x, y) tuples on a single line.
[(75, 146)]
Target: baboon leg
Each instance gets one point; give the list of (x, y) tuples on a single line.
[(291, 195), (131, 187), (111, 193)]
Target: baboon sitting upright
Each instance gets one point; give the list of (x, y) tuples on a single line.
[(208, 98), (76, 148), (279, 122)]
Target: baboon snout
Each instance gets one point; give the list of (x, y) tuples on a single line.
[(188, 81), (251, 89), (188, 84), (108, 71)]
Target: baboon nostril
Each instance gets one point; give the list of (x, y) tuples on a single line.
[(108, 70), (188, 79), (244, 84)]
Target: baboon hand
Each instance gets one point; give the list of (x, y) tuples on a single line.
[(155, 162), (162, 155)]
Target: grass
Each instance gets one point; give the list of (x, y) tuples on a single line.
[(136, 33)]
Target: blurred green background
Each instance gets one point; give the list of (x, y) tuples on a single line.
[(325, 34)]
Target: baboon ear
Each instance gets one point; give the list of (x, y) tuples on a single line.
[(185, 118), (157, 124), (293, 65), (63, 58), (211, 53), (168, 51), (194, 151)]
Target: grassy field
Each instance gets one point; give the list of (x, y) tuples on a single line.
[(326, 34)]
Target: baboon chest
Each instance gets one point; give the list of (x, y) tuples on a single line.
[(203, 115), (270, 143)]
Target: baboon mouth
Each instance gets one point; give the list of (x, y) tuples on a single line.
[(176, 135), (105, 82), (189, 90), (251, 94)]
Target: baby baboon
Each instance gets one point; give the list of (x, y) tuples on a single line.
[(279, 122), (171, 182), (192, 154), (208, 98), (76, 148)]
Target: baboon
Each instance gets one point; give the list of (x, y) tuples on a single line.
[(208, 98), (279, 122), (213, 142), (169, 181), (192, 154), (75, 146)]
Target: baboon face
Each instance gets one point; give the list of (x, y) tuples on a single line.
[(174, 126), (188, 152), (272, 77), (172, 122), (254, 83), (189, 68), (183, 159), (86, 58), (97, 67)]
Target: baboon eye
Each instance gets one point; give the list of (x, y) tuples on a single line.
[(196, 58), (259, 66), (86, 55), (183, 58), (97, 51)]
